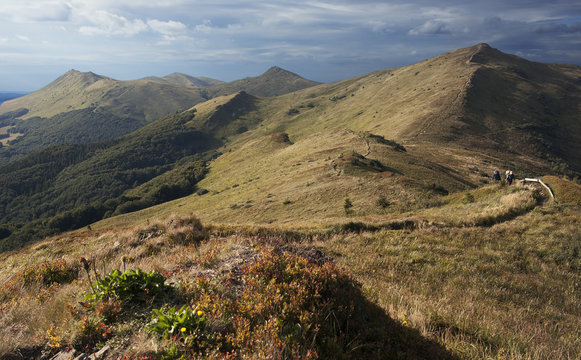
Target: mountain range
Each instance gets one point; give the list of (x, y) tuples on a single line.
[(440, 126), (276, 217), (80, 108)]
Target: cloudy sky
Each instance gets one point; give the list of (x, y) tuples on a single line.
[(323, 40)]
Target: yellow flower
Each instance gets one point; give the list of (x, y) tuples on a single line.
[(183, 329), (200, 313)]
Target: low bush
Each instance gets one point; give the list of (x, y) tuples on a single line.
[(47, 273), (131, 286), (287, 308), (187, 230)]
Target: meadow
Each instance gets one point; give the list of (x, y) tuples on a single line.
[(506, 287)]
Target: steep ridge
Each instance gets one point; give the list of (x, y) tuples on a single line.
[(524, 108), (518, 113), (443, 111)]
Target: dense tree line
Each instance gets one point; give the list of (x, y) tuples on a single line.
[(173, 184), (69, 186), (74, 127)]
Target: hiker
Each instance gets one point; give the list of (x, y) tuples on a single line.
[(496, 176), (509, 177)]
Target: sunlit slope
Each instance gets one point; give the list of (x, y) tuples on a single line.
[(401, 103), (333, 134), (64, 178), (143, 100), (186, 80), (274, 82), (80, 108), (516, 113), (272, 180)]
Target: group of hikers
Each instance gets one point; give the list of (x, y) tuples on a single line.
[(509, 176)]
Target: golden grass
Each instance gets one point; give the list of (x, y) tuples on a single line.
[(565, 191), (506, 290), (484, 206)]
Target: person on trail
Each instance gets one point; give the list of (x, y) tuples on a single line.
[(509, 178), (496, 176)]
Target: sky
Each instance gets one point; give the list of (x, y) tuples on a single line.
[(228, 40)]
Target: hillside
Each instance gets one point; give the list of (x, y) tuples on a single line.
[(7, 95), (79, 108), (393, 134), (274, 82), (349, 220), (185, 80), (87, 182), (431, 284)]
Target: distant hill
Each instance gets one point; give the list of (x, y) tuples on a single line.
[(94, 177), (274, 82), (186, 80), (79, 108), (9, 95)]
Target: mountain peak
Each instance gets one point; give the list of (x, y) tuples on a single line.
[(278, 71), (78, 78)]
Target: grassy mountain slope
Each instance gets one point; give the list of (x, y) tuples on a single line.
[(445, 102), (332, 146), (386, 175), (525, 108), (435, 286), (75, 90), (7, 95), (117, 166), (336, 144), (85, 107), (186, 80), (274, 82)]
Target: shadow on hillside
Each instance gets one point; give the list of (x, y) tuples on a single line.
[(388, 338), (371, 333)]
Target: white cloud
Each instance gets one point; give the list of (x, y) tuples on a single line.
[(106, 23), (23, 38), (205, 27), (32, 11), (167, 27), (349, 36), (430, 27)]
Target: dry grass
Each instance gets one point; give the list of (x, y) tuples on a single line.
[(508, 291), (488, 273), (484, 206)]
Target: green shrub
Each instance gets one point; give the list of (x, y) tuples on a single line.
[(186, 230), (382, 202), (182, 322), (91, 332), (348, 206), (468, 198), (47, 273), (132, 286)]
